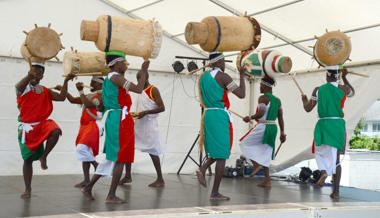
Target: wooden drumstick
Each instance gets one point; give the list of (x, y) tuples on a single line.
[(87, 74), (359, 74), (238, 115), (298, 86)]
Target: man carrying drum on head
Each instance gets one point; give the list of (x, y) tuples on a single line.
[(35, 103), (330, 130), (87, 141), (119, 126), (214, 86), (258, 145)]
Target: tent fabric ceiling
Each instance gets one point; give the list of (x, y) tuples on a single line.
[(296, 21)]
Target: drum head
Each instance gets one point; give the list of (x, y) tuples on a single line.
[(332, 48), (43, 42), (70, 65)]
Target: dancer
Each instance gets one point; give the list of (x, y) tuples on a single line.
[(147, 135), (217, 129), (35, 103), (330, 130), (119, 126), (258, 145)]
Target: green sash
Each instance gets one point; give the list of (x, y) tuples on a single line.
[(271, 129)]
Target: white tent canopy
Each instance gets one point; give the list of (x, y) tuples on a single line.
[(289, 21)]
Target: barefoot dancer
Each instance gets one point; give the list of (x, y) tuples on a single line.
[(147, 135), (258, 144), (87, 141), (119, 126), (35, 104), (217, 128), (330, 130)]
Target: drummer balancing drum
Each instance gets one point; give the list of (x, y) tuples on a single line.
[(85, 63), (135, 37), (224, 33), (266, 62), (41, 43), (332, 48)]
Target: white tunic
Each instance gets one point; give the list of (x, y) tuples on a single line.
[(147, 134), (252, 145)]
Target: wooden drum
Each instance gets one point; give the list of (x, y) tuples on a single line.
[(85, 63), (266, 62), (135, 37), (42, 42), (332, 48), (224, 33)]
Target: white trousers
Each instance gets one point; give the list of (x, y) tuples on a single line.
[(325, 156)]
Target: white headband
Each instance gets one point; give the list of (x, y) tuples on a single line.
[(111, 63), (216, 59), (38, 64), (97, 80), (266, 83)]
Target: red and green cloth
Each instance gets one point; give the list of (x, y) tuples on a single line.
[(35, 109), (119, 130)]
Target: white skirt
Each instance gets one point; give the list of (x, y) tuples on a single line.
[(325, 156), (84, 153), (253, 148), (105, 168), (147, 136)]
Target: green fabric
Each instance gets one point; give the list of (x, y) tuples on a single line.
[(254, 58), (115, 53), (25, 152), (216, 122), (330, 132), (271, 129), (110, 94)]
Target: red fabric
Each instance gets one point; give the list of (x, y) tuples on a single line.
[(148, 92), (126, 130), (89, 131), (245, 135), (35, 138), (225, 99), (231, 135), (35, 107), (274, 63)]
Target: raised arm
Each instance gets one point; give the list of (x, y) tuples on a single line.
[(23, 83), (61, 96), (227, 82), (72, 99), (86, 102), (130, 86), (158, 100), (347, 87), (309, 105)]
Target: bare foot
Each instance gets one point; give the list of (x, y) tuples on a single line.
[(321, 180), (114, 200), (201, 178), (43, 163), (87, 193), (265, 184), (26, 195), (334, 195), (219, 197), (81, 184), (157, 184), (125, 180)]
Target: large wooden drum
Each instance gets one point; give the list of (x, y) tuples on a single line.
[(42, 42), (84, 63), (28, 57), (140, 38), (266, 62), (224, 33), (332, 48)]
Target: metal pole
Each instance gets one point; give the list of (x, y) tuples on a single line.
[(144, 6), (275, 7)]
